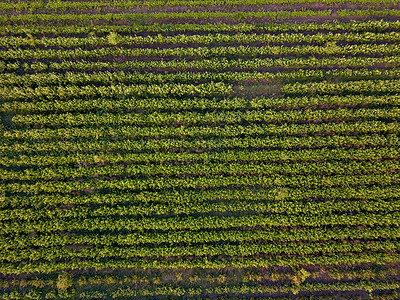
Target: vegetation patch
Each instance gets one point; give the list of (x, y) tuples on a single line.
[(167, 149)]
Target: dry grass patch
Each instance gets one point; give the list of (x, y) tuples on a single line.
[(251, 89)]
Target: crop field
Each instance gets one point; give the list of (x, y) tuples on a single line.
[(200, 149)]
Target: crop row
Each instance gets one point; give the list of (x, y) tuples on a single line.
[(199, 182), (210, 89), (86, 19), (308, 155), (353, 26), (14, 83), (194, 237), (383, 289), (327, 168), (240, 290), (122, 90), (63, 6), (216, 38), (203, 52), (199, 223), (354, 87), (207, 118), (188, 197), (359, 127), (213, 168), (173, 104), (210, 144), (245, 207), (173, 291), (368, 12), (212, 64), (183, 9), (242, 249), (250, 276), (202, 262), (165, 103)]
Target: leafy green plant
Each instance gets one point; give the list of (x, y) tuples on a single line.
[(64, 281), (113, 38), (300, 275)]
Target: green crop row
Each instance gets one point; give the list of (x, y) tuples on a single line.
[(287, 207), (242, 249), (86, 19), (288, 168), (206, 118), (354, 87), (362, 127), (210, 88), (192, 237), (198, 169), (210, 144), (139, 90), (204, 52), (368, 12), (215, 38), (158, 104), (370, 219), (352, 26), (19, 84), (198, 182), (64, 5), (212, 64), (239, 290), (155, 104), (308, 155), (187, 197), (202, 262)]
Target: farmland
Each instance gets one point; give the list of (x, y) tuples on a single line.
[(200, 149)]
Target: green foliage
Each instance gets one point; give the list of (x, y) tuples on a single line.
[(64, 281), (113, 38), (165, 136), (202, 52), (299, 276)]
